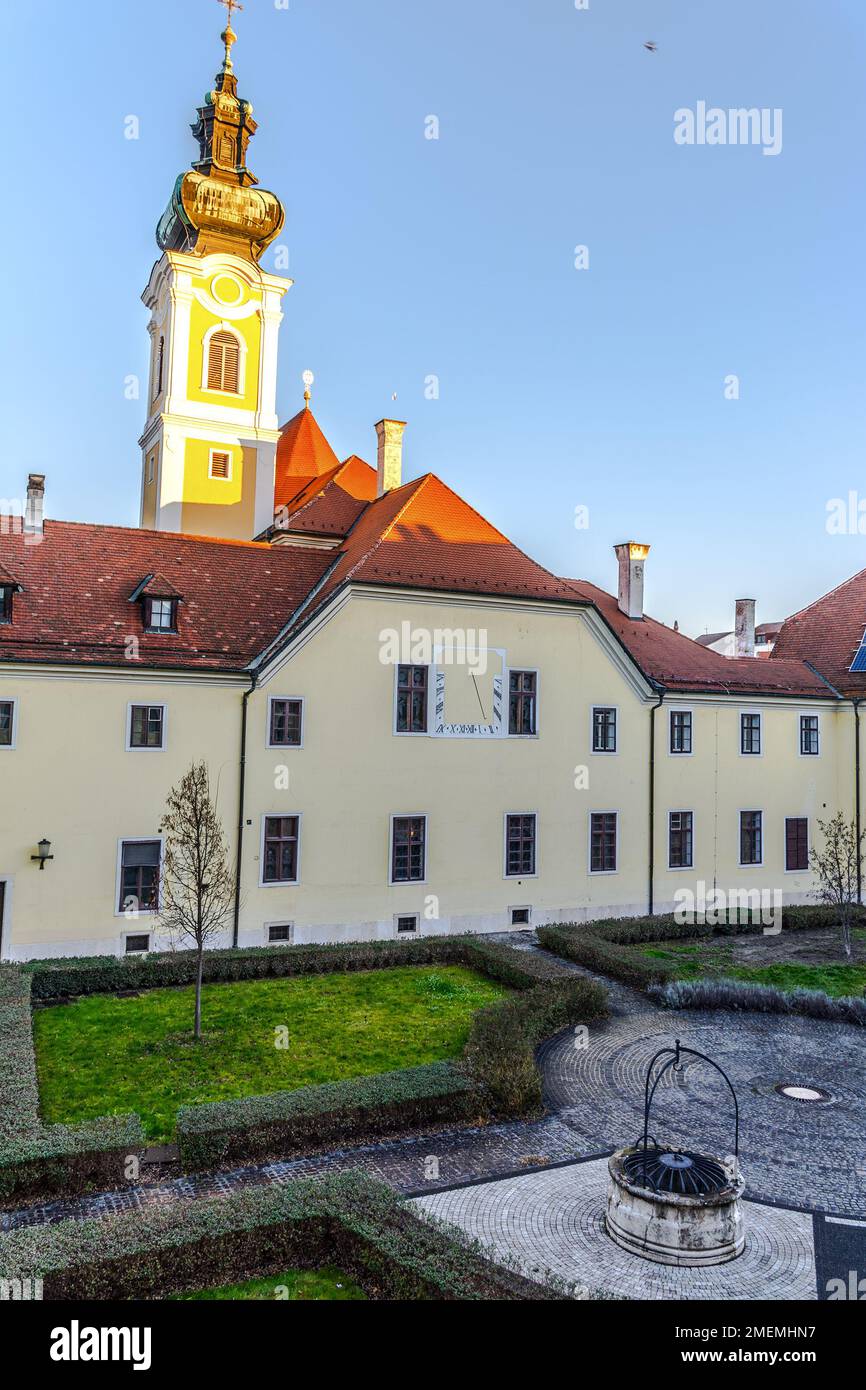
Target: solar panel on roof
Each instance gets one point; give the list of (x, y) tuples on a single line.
[(859, 662)]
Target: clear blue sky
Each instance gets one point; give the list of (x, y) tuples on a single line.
[(454, 257)]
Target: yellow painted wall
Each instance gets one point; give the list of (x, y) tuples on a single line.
[(215, 506), (353, 773), (249, 330)]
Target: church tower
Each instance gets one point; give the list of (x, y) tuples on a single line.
[(209, 444)]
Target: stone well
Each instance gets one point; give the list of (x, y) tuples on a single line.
[(671, 1227)]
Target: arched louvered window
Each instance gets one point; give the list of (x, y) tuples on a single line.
[(224, 363)]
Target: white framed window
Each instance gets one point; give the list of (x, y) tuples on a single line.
[(8, 723), (285, 721), (751, 733), (406, 924), (407, 857), (146, 727), (523, 703), (681, 728), (279, 933), (797, 844), (136, 943), (809, 735), (520, 916), (603, 857), (681, 839), (604, 729), (138, 877), (280, 860), (224, 362), (521, 844), (220, 465), (412, 694), (751, 839)]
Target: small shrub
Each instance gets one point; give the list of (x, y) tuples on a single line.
[(349, 1220), (747, 997)]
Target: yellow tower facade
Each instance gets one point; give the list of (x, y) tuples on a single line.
[(210, 439)]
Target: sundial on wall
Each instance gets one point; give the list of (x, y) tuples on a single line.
[(468, 693)]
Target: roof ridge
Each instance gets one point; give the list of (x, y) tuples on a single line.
[(417, 485), (143, 531), (829, 594)]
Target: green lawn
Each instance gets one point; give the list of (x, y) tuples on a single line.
[(103, 1055), (708, 960), (292, 1286)]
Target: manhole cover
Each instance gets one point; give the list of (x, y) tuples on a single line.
[(806, 1095)]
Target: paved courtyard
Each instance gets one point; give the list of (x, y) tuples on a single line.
[(552, 1222)]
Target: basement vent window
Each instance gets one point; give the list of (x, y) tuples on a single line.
[(221, 466), (407, 926), (137, 945), (520, 916), (279, 933)]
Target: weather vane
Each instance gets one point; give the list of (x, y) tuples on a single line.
[(308, 380)]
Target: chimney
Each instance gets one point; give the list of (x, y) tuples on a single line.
[(33, 512), (744, 627), (631, 556), (390, 461)]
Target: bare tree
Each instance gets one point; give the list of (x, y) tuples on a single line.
[(197, 887), (837, 868)]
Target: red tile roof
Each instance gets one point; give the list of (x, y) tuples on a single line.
[(679, 663), (328, 505), (303, 452), (78, 580), (828, 634)]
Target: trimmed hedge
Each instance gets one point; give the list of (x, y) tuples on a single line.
[(497, 1077), (36, 1159), (349, 1220), (64, 978), (604, 945), (317, 1117), (500, 1051), (747, 996)]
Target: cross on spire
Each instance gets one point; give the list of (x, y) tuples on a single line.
[(229, 36)]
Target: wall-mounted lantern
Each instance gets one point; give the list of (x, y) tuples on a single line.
[(44, 854)]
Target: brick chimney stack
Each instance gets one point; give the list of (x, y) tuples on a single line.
[(744, 627), (631, 556), (390, 457)]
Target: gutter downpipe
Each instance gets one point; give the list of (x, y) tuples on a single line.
[(652, 798), (241, 789), (856, 703)]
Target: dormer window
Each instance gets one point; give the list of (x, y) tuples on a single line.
[(159, 602), (160, 614), (8, 588)]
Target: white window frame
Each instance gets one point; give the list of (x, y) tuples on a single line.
[(146, 704), (680, 709), (124, 937), (521, 907), (266, 930), (280, 882), (398, 935), (682, 811), (740, 714), (407, 815), (600, 811), (750, 811), (431, 681), (603, 752), (13, 701), (242, 362), (137, 840), (285, 747), (6, 916), (531, 671), (224, 449), (809, 714), (517, 878), (808, 821)]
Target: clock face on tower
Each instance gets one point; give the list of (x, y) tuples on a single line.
[(468, 694)]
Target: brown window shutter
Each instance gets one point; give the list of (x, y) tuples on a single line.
[(223, 368), (220, 466)]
